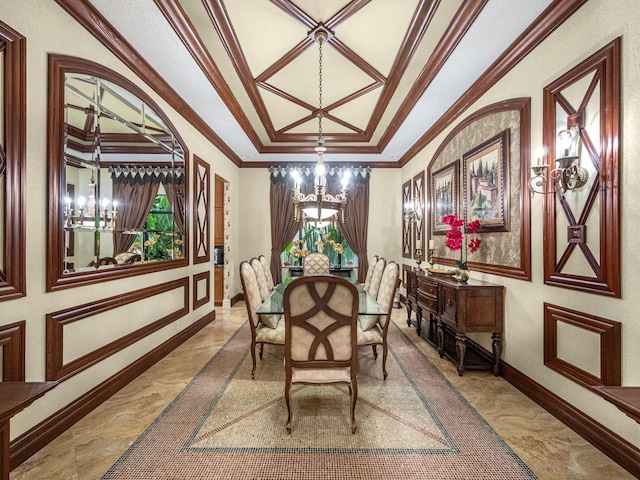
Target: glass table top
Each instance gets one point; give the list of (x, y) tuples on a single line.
[(273, 303)]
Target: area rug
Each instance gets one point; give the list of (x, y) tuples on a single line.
[(413, 425)]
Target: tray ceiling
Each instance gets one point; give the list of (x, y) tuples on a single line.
[(391, 68)]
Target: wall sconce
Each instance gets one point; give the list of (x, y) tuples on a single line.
[(568, 175), (412, 212)]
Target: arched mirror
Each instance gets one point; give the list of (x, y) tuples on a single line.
[(118, 178), (12, 163)]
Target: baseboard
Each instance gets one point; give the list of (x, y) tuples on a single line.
[(615, 447), (237, 298), (36, 438)]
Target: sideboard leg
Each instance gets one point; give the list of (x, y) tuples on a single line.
[(461, 348), (496, 344), (440, 330), (408, 304)]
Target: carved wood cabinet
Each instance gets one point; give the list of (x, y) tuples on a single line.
[(450, 310)]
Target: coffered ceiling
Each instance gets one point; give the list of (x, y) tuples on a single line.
[(248, 69)]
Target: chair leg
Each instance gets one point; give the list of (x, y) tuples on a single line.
[(261, 349), (253, 358), (287, 397), (354, 399), (384, 361), (375, 351)]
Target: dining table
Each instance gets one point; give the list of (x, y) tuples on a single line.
[(273, 304)]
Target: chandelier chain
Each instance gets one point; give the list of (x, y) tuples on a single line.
[(320, 139)]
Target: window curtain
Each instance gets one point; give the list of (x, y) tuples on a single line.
[(174, 188), (283, 227), (135, 196), (356, 223)]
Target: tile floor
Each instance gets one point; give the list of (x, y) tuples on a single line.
[(90, 447)]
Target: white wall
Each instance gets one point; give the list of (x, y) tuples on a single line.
[(56, 32), (595, 25)]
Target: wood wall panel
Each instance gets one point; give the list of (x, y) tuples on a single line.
[(57, 370), (201, 211), (206, 298), (12, 346), (609, 353)]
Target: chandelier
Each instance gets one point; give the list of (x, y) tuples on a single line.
[(319, 205)]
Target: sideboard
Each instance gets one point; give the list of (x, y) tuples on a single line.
[(452, 309)]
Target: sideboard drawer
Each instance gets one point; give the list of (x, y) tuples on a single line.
[(448, 304), (428, 288), (428, 303)]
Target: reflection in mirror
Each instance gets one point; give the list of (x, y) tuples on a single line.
[(124, 177), (117, 178)]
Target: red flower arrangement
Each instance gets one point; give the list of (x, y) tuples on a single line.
[(455, 238)]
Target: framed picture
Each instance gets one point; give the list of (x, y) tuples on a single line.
[(444, 196), (486, 184)]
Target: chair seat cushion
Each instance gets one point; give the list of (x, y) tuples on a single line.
[(320, 375), (270, 321), (268, 334), (370, 336), (367, 321)]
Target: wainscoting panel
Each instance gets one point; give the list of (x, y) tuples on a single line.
[(60, 368), (12, 348), (565, 329), (201, 289)]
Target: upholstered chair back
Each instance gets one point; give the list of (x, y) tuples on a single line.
[(251, 291), (372, 266), (315, 263), (377, 277), (261, 278), (267, 271), (387, 290), (320, 343)]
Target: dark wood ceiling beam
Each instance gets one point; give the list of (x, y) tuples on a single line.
[(424, 13), (223, 26), (295, 124), (345, 124), (353, 96), (456, 30), (179, 21), (285, 60), (89, 18), (354, 58), (296, 13), (347, 12), (548, 21)]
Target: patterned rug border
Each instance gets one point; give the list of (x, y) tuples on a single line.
[(407, 342)]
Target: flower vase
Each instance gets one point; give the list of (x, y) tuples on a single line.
[(462, 276)]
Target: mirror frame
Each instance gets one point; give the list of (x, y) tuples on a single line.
[(14, 117), (59, 65)]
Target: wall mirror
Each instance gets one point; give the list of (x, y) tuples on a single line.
[(117, 178), (12, 163)]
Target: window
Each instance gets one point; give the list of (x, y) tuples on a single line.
[(327, 239)]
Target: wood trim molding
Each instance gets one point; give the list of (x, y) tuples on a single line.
[(12, 346), (201, 211), (604, 193), (56, 278), (87, 16), (406, 226), (59, 371), (419, 188), (523, 105), (199, 277), (27, 444), (14, 117), (545, 25), (610, 353), (608, 442)]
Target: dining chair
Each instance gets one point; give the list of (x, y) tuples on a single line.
[(316, 262), (266, 267), (372, 266), (320, 316), (376, 277), (261, 278), (264, 328), (373, 328)]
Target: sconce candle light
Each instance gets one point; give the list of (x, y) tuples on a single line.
[(568, 175)]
